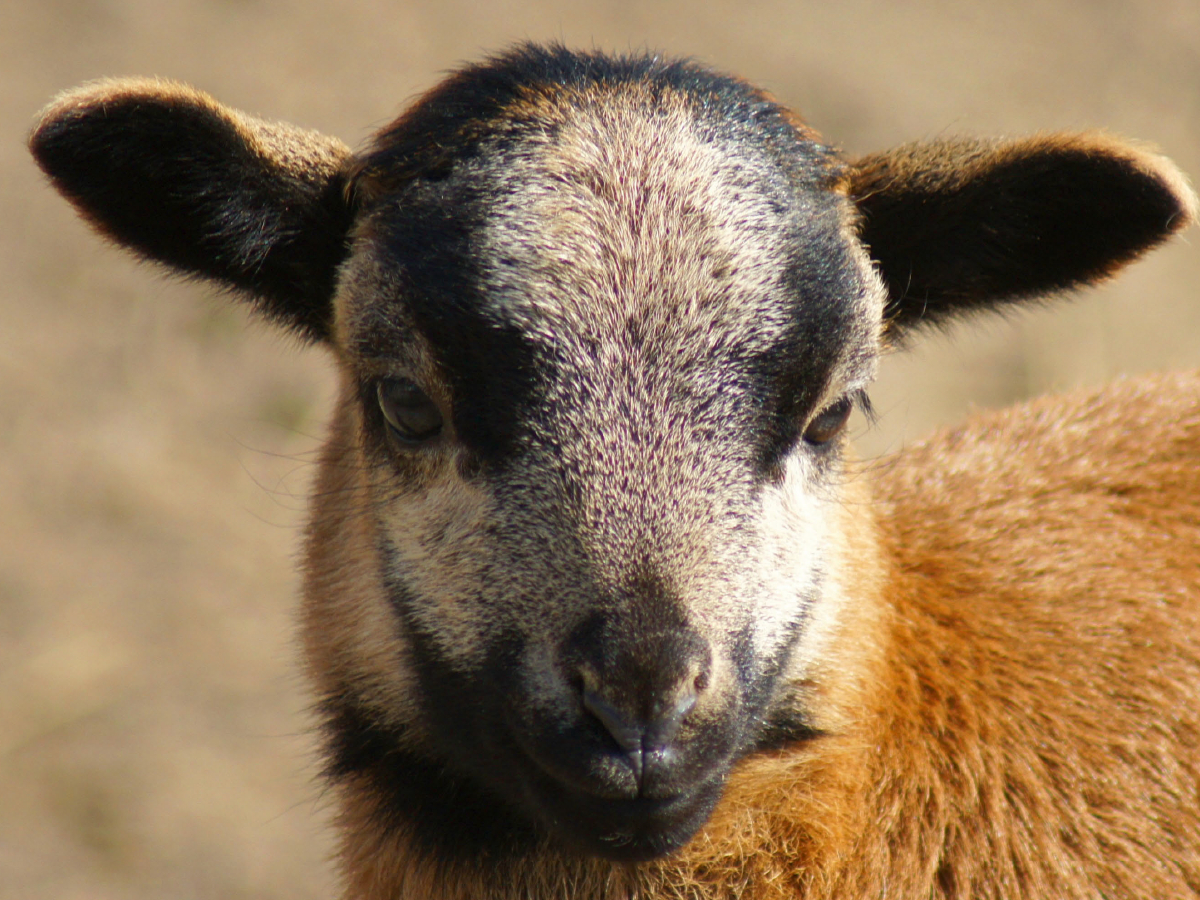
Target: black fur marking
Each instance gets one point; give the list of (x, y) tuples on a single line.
[(784, 720), (412, 785), (822, 284), (176, 183), (782, 717), (494, 370), (447, 125), (450, 818), (453, 817), (785, 728), (968, 231)]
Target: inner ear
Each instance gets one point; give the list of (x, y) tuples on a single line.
[(958, 225), (177, 177)]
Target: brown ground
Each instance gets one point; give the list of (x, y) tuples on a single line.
[(154, 450)]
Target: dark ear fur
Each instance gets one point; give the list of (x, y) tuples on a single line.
[(168, 172), (958, 225)]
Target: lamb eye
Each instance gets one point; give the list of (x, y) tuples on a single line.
[(411, 416), (829, 422)]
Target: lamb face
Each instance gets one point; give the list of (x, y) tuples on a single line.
[(639, 318)]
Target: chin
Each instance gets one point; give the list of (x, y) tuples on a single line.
[(627, 831)]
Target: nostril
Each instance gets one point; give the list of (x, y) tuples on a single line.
[(663, 727), (636, 734), (626, 732)]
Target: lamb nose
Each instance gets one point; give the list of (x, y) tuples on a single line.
[(637, 736)]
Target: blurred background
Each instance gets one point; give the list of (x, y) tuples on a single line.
[(156, 446)]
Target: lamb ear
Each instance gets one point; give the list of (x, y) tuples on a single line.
[(173, 175), (959, 225)]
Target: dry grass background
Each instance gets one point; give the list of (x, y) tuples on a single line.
[(155, 447)]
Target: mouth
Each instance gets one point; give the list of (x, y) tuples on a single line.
[(621, 830), (600, 799)]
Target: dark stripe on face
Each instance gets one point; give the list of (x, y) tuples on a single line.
[(450, 818), (780, 717), (463, 706), (823, 285), (493, 369)]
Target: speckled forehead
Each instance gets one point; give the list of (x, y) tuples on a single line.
[(638, 210), (615, 215)]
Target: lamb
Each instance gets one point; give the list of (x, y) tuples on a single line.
[(598, 602)]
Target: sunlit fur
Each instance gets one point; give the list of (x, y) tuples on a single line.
[(631, 286)]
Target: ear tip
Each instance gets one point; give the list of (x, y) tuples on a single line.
[(100, 97), (1170, 179), (1185, 195), (1167, 177), (85, 131)]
